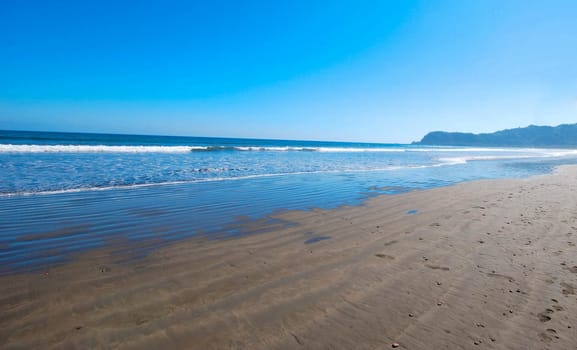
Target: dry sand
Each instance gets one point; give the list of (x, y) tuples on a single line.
[(488, 264)]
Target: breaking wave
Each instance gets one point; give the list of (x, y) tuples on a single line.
[(11, 148)]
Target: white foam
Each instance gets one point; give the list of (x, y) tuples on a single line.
[(465, 159), (561, 152), (271, 149), (95, 149), (549, 151), (10, 148), (32, 148), (344, 150), (317, 149), (464, 149)]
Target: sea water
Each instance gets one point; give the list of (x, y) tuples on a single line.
[(61, 193)]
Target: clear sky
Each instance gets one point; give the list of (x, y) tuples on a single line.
[(359, 70)]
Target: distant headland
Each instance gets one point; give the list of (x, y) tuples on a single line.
[(564, 135)]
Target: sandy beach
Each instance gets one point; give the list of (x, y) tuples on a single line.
[(486, 264)]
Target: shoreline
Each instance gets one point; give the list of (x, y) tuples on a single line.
[(476, 264)]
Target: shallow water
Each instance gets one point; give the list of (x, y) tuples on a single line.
[(57, 203)]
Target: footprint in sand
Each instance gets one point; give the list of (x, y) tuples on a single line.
[(104, 268), (385, 256), (557, 307), (568, 289), (545, 315), (436, 267), (548, 335), (498, 275)]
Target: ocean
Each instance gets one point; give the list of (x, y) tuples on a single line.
[(66, 193)]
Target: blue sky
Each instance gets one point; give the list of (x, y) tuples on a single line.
[(384, 71)]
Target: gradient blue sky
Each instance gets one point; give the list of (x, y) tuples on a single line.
[(384, 71)]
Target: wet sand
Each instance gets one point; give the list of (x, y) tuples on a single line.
[(486, 264)]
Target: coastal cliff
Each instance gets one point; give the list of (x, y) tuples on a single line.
[(532, 136)]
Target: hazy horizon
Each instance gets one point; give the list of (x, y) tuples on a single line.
[(255, 138)]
